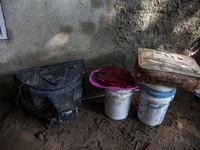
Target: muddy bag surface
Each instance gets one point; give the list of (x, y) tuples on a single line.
[(52, 93), (167, 68)]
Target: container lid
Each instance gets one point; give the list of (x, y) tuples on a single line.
[(165, 61), (97, 84), (160, 87)]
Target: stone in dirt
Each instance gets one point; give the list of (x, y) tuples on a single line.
[(41, 137)]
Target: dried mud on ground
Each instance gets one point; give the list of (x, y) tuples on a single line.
[(94, 130)]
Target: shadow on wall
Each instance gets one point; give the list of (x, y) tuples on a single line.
[(56, 51), (29, 60), (170, 24)]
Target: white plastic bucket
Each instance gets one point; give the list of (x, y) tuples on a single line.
[(117, 103), (154, 102)]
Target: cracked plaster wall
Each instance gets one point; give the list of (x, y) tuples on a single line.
[(103, 32)]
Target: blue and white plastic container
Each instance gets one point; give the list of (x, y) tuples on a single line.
[(197, 93), (154, 102)]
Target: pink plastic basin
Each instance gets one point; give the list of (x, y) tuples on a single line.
[(97, 84)]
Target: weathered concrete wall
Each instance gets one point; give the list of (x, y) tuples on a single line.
[(44, 32), (103, 32), (170, 24)]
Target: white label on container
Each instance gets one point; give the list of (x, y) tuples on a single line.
[(164, 55)]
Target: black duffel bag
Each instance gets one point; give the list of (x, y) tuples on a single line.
[(53, 92)]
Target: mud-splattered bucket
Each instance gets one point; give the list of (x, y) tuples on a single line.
[(154, 102), (117, 103)]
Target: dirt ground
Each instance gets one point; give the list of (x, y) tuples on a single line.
[(94, 130)]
